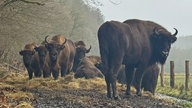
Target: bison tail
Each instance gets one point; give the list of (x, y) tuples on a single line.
[(104, 50)]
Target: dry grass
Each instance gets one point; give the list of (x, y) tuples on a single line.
[(13, 85)]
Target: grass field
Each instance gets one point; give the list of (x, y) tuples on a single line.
[(179, 89)]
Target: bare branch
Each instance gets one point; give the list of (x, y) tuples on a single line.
[(31, 2), (115, 2), (8, 2)]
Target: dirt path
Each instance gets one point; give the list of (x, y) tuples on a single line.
[(93, 98)]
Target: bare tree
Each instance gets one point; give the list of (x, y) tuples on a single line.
[(26, 21)]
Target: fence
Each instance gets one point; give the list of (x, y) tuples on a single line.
[(172, 75)]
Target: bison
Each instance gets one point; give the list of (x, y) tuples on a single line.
[(86, 68), (31, 60), (44, 60), (149, 81), (61, 55), (150, 78), (94, 59), (135, 43), (81, 50)]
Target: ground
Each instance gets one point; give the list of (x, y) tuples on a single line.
[(93, 98), (69, 92)]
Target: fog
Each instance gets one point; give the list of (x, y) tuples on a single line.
[(168, 13)]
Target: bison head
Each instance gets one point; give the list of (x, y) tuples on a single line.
[(27, 56), (42, 52), (81, 51), (161, 43), (54, 48)]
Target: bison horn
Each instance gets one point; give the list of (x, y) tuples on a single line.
[(176, 31), (46, 39), (87, 51), (65, 41)]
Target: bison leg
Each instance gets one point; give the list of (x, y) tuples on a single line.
[(46, 71), (30, 73), (107, 79), (64, 70), (113, 76), (138, 81), (55, 73), (37, 73), (129, 72)]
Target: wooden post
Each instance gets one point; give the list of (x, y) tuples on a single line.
[(187, 75), (172, 76), (162, 75)]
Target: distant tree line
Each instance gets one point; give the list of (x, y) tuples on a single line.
[(26, 21)]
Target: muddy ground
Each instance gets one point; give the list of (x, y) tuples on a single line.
[(69, 92), (93, 98)]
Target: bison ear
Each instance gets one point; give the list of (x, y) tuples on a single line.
[(21, 52), (173, 39)]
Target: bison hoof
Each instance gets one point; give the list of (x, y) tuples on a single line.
[(139, 94), (109, 96), (56, 78), (117, 98), (128, 93)]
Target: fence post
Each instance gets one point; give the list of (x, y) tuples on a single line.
[(187, 75), (172, 75), (162, 75)]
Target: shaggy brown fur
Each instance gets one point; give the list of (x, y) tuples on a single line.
[(61, 55), (31, 60), (87, 69)]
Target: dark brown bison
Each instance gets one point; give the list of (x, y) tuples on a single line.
[(44, 60), (150, 78), (61, 55), (81, 51), (86, 68), (134, 43), (149, 81), (31, 60)]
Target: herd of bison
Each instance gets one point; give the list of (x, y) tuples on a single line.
[(130, 53)]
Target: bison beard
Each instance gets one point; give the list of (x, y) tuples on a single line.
[(135, 43)]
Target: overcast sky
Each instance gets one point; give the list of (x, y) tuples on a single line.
[(168, 13)]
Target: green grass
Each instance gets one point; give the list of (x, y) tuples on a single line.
[(178, 90)]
